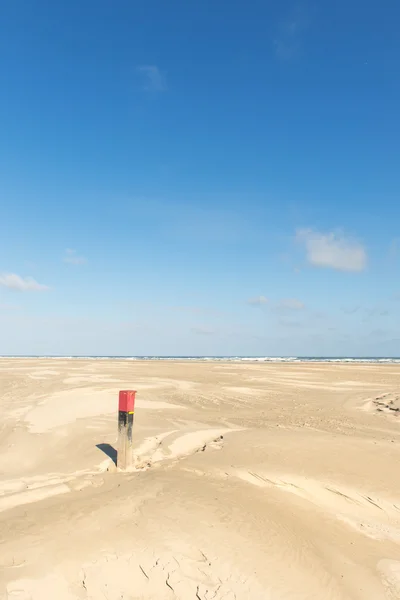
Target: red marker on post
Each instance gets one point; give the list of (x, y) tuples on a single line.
[(126, 409)]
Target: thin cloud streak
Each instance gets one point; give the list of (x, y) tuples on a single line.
[(73, 258), (291, 304), (394, 249), (198, 310), (258, 301), (284, 304), (9, 307), (202, 331)]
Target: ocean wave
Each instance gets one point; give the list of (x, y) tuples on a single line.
[(256, 359)]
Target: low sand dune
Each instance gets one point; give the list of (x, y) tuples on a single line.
[(249, 481)]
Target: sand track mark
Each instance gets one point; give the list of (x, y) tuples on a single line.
[(171, 447), (377, 518)]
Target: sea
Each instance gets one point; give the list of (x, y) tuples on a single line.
[(238, 359)]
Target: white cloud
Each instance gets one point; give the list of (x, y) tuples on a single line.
[(21, 284), (291, 304), (258, 301), (155, 79), (289, 34), (73, 258), (332, 250)]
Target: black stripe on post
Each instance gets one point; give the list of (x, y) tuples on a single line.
[(126, 407), (125, 423)]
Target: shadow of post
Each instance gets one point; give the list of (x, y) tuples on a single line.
[(108, 451)]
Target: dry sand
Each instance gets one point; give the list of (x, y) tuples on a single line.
[(251, 481)]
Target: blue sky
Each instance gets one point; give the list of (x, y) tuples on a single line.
[(199, 177)]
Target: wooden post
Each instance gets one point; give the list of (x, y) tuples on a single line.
[(126, 407)]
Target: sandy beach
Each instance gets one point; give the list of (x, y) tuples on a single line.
[(250, 481)]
